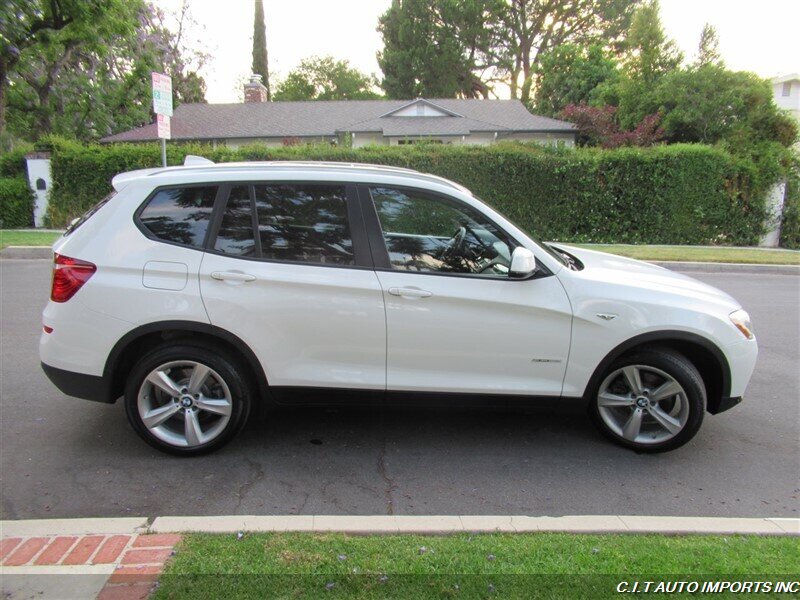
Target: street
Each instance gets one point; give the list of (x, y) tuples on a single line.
[(64, 457)]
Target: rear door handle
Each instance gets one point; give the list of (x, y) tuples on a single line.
[(410, 292), (232, 276)]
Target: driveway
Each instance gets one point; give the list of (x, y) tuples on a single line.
[(62, 457)]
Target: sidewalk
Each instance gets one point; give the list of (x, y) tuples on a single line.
[(116, 559)]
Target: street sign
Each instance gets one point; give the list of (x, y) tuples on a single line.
[(163, 126), (162, 94)]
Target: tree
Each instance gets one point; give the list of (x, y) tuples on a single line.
[(650, 53), (708, 104), (570, 74), (462, 47), (24, 23), (438, 48), (323, 78), (87, 87), (598, 126), (531, 28), (260, 56), (708, 49)]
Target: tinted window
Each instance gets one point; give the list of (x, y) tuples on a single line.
[(180, 215), (306, 223), (426, 233), (236, 231)]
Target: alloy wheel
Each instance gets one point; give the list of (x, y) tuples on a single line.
[(643, 404), (184, 403)]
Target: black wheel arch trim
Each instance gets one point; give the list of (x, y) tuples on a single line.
[(113, 360), (713, 404)]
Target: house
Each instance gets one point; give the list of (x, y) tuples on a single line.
[(367, 122), (786, 91)]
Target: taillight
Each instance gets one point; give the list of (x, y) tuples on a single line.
[(69, 274)]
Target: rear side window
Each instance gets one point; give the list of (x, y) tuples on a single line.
[(235, 234), (304, 223), (180, 215)]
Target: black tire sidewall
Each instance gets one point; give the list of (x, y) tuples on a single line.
[(684, 372), (220, 362)]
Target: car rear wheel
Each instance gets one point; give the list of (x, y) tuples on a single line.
[(652, 400), (187, 399)]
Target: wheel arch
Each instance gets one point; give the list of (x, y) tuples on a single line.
[(704, 354), (131, 346)]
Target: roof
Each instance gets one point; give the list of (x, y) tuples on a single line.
[(329, 118), (787, 77), (194, 166)]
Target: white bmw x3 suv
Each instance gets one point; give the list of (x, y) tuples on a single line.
[(196, 292)]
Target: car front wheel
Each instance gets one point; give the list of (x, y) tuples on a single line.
[(186, 399), (652, 400)]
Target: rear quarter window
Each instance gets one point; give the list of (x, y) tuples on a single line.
[(180, 215)]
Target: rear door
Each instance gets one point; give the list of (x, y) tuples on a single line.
[(288, 271)]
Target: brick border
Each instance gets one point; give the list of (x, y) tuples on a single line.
[(136, 560)]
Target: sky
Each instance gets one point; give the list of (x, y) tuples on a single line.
[(755, 35)]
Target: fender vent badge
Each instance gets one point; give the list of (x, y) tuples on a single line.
[(607, 316)]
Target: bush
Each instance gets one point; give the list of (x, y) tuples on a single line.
[(16, 203), (790, 225), (680, 194)]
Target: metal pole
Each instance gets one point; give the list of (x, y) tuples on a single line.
[(164, 152)]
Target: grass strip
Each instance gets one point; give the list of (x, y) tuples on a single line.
[(539, 565)]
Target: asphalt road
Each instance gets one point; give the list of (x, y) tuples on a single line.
[(62, 457)]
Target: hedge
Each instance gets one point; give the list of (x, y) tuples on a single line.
[(790, 225), (16, 203), (678, 194)]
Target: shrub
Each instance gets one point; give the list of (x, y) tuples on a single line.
[(680, 194), (16, 203), (790, 225)]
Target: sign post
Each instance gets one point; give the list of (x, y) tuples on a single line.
[(162, 106)]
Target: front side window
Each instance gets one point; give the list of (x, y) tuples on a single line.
[(304, 223), (430, 234), (180, 215)]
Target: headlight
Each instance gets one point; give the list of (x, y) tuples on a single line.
[(741, 320)]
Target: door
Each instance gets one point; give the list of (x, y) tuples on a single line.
[(288, 271), (456, 321)]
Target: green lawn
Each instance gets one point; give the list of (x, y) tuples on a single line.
[(543, 565), (12, 237), (700, 253)]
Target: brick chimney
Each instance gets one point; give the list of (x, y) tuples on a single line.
[(254, 90)]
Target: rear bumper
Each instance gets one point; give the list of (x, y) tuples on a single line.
[(722, 404), (80, 385)]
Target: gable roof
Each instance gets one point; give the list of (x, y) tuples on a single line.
[(321, 118)]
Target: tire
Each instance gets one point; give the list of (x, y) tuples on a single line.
[(666, 412), (174, 419)]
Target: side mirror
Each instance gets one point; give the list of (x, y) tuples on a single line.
[(523, 263)]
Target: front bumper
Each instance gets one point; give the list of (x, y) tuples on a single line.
[(80, 385)]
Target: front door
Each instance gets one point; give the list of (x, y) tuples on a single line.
[(288, 271), (456, 321)]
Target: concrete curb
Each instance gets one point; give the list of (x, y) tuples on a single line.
[(28, 252), (45, 527), (382, 524), (710, 267)]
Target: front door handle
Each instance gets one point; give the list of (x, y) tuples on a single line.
[(232, 276), (410, 292)]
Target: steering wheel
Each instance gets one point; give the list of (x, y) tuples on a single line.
[(456, 243)]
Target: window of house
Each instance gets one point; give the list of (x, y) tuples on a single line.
[(787, 88), (304, 223), (180, 215)]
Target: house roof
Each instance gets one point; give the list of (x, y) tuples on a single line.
[(787, 77), (328, 118)]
